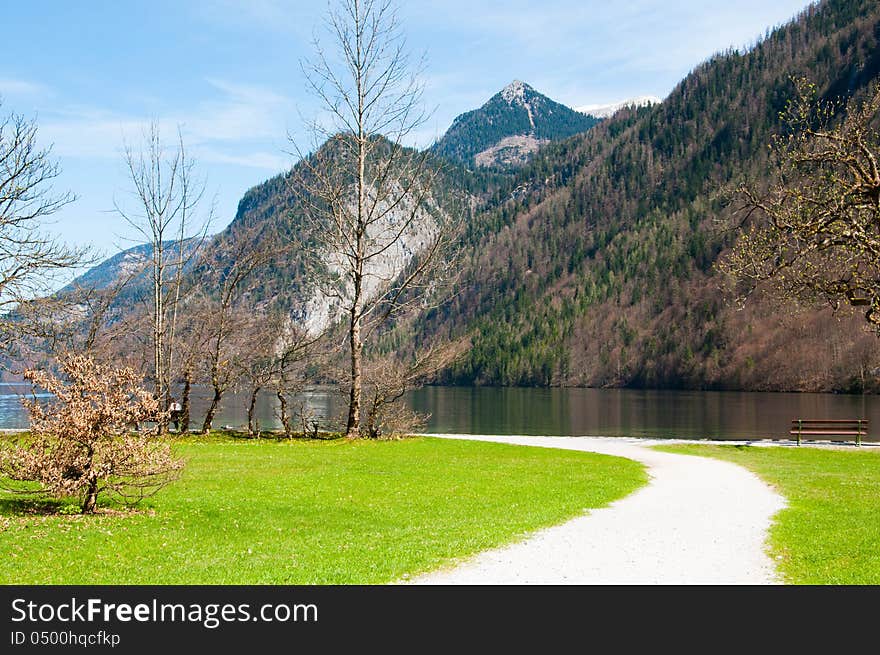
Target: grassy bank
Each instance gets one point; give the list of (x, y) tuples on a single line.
[(830, 532), (318, 512)]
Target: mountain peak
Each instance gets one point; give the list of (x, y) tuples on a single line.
[(509, 128), (514, 91)]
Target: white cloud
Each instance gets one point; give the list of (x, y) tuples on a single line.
[(90, 133), (244, 112), (588, 51), (241, 116), (11, 87), (268, 161)]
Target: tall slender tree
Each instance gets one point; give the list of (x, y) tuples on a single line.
[(226, 268), (168, 214), (374, 231)]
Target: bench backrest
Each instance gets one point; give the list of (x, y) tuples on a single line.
[(857, 428)]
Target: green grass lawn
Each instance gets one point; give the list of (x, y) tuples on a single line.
[(316, 512), (830, 532)]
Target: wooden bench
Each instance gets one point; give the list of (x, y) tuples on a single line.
[(808, 428)]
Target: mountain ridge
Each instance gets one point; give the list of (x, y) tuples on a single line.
[(253, 205)]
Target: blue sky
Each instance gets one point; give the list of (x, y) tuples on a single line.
[(94, 73)]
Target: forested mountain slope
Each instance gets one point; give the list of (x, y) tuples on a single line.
[(599, 270)]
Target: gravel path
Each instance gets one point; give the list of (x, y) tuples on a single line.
[(697, 521)]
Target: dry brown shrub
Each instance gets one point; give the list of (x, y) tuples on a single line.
[(84, 441)]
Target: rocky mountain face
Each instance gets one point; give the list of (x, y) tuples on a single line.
[(285, 284), (525, 119), (508, 130), (132, 262)]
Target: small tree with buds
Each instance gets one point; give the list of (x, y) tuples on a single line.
[(812, 232), (82, 441)]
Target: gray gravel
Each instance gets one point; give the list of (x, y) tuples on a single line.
[(698, 521)]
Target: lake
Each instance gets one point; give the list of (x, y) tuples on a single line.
[(568, 411)]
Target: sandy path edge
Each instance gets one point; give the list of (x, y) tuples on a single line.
[(697, 521)]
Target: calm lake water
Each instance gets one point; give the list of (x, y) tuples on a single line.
[(571, 412)]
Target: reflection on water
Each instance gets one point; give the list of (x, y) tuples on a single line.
[(324, 405), (633, 412), (607, 412)]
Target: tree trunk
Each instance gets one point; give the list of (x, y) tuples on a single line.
[(372, 421), (159, 334), (212, 409), (285, 417), (185, 401), (253, 428), (352, 429), (90, 502)]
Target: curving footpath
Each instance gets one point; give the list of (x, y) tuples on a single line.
[(697, 521)]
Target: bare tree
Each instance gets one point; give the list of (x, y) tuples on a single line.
[(189, 348), (28, 257), (244, 251), (167, 215), (376, 235), (388, 378), (81, 443), (293, 348), (814, 234), (255, 362), (85, 318), (272, 349), (80, 319), (222, 323)]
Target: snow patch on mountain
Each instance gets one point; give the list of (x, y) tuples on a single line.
[(606, 110), (515, 91)]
